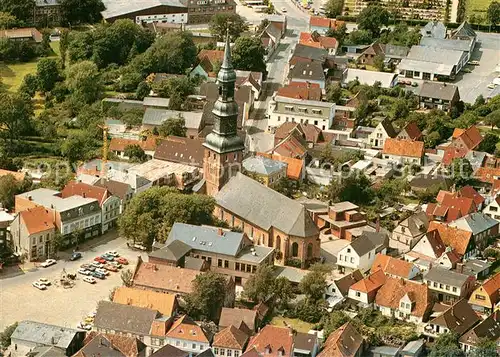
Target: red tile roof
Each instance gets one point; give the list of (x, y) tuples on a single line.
[(457, 132), (487, 174), (451, 153), (407, 148), (290, 147), (413, 131), (213, 56), (118, 144), (457, 239), (311, 133), (186, 329), (392, 266), (37, 219), (294, 166), (74, 188), (394, 289), (109, 344), (471, 137), (371, 283), (311, 40), (303, 84), (230, 337), (345, 341), (492, 288), (278, 340), (313, 93), (318, 21)]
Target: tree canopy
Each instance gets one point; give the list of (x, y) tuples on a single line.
[(84, 81), (15, 115), (355, 188), (372, 18), (21, 9), (493, 13), (207, 298), (47, 74), (81, 11), (333, 8), (150, 214), (446, 345), (248, 55), (174, 127), (221, 23)]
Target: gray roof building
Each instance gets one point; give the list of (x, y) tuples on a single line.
[(46, 351), (265, 207), (115, 8), (475, 222), (463, 31), (435, 55), (156, 117), (459, 318), (437, 90), (312, 53), (173, 251), (170, 351), (488, 328), (312, 71), (417, 223), (362, 245), (156, 102), (294, 275), (447, 44), (32, 332), (124, 318), (263, 166), (394, 51), (434, 29), (445, 276)]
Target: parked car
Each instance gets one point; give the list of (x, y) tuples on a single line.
[(89, 279), (113, 253), (39, 285), (44, 281), (98, 275), (75, 256), (83, 271), (116, 264), (122, 260), (107, 258), (100, 260), (102, 271), (474, 63), (491, 86), (136, 246), (48, 263), (97, 265), (110, 267)]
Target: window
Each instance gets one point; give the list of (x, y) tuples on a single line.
[(229, 353), (352, 260), (242, 267), (402, 305), (222, 352), (219, 263), (441, 286), (216, 350), (480, 297), (340, 257), (226, 263), (193, 346), (447, 287), (177, 343), (493, 208), (254, 269), (40, 239), (435, 284), (408, 306), (236, 353), (358, 294), (249, 268), (454, 289), (348, 250), (236, 266)]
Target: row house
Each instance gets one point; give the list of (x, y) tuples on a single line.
[(229, 341), (408, 232), (486, 329), (448, 286), (394, 267), (111, 345), (314, 39), (484, 298), (365, 290), (346, 341), (410, 132), (362, 251), (338, 289), (383, 131), (404, 151), (463, 142), (309, 73)]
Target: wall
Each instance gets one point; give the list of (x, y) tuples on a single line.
[(280, 113), (480, 300), (363, 297)]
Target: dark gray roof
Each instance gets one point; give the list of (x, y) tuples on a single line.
[(265, 207), (438, 90), (156, 116), (458, 318), (45, 334), (308, 71), (435, 55), (424, 182), (446, 276), (207, 353), (489, 328), (273, 31), (315, 54), (458, 45), (183, 150), (193, 263), (344, 283), (464, 30), (389, 128), (116, 8), (124, 318), (46, 351), (116, 188), (434, 29), (475, 267), (170, 351), (304, 341), (112, 346), (415, 221), (393, 51), (362, 245), (173, 251), (379, 239), (476, 222)]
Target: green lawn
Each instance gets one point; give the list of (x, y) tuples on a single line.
[(478, 6), (296, 324)]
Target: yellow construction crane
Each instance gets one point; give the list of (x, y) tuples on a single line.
[(104, 160)]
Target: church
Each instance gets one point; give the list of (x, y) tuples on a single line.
[(266, 216)]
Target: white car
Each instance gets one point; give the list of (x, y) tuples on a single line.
[(283, 9), (48, 263), (102, 271), (116, 264), (113, 254), (83, 271), (89, 279), (44, 281), (97, 265), (39, 285)]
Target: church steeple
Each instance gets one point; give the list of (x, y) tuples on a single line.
[(223, 147)]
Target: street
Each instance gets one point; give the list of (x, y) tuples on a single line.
[(19, 300)]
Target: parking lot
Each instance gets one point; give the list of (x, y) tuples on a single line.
[(19, 300)]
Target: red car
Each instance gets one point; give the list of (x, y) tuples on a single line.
[(100, 260), (122, 260), (111, 267)]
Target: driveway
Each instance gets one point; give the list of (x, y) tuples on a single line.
[(19, 300)]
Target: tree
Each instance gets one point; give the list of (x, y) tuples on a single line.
[(150, 214), (207, 298), (63, 46), (220, 23), (333, 8), (262, 26), (15, 116), (9, 187), (248, 54), (489, 143), (84, 81), (378, 62), (80, 146), (493, 119), (461, 171), (21, 9), (132, 117), (446, 345), (259, 287), (173, 127), (142, 90), (333, 321), (359, 37), (399, 109), (7, 20), (6, 334), (285, 186), (334, 93), (484, 348), (313, 285), (81, 11), (355, 188), (283, 293), (310, 310), (339, 33), (493, 13), (29, 85), (372, 18), (135, 153), (47, 73), (127, 276)]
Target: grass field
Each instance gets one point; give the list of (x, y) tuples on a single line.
[(12, 74), (296, 324), (478, 7)]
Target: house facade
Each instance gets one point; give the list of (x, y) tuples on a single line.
[(408, 232), (383, 131), (485, 297), (403, 151), (448, 286), (435, 95), (360, 254)]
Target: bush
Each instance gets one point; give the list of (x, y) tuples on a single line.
[(310, 311)]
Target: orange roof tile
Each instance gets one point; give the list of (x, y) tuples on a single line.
[(213, 56), (345, 341), (470, 192), (394, 289), (118, 144), (318, 21), (413, 131), (442, 194), (471, 137), (19, 176), (392, 266), (164, 303), (451, 153), (307, 39), (463, 204), (290, 147), (278, 339), (37, 219), (408, 148), (457, 132), (294, 166), (488, 174), (300, 92), (303, 84), (371, 283), (186, 329), (492, 288), (456, 238), (74, 188), (230, 337)]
